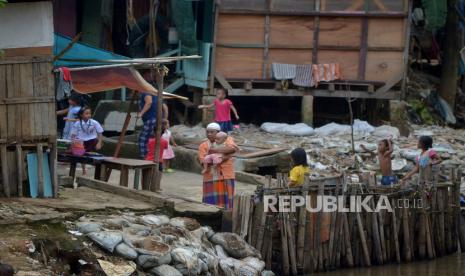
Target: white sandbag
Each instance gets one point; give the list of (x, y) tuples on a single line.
[(256, 263), (299, 129), (126, 251), (149, 261), (188, 258), (107, 239), (267, 273), (398, 164), (156, 220), (410, 154), (184, 222), (362, 128), (385, 131), (332, 129), (235, 245), (165, 270), (220, 252), (87, 227)]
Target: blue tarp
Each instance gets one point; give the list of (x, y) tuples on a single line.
[(79, 51)]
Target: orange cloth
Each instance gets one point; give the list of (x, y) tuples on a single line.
[(225, 170), (325, 72)]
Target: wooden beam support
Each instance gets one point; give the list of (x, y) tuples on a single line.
[(4, 164), (216, 11), (316, 32), (363, 49), (321, 13), (40, 174), (266, 41), (408, 21), (388, 95), (222, 80), (19, 167), (308, 47)]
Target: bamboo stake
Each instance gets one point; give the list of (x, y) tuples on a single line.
[(291, 243), (375, 235), (347, 241), (405, 225), (395, 233), (301, 232), (235, 213), (361, 232), (317, 235), (382, 235)]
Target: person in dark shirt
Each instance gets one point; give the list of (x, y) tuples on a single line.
[(148, 113)]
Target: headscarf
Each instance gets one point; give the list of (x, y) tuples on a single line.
[(213, 126)]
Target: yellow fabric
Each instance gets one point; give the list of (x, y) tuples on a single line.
[(297, 174)]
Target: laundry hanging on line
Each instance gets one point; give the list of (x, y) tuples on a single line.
[(306, 75), (64, 85)]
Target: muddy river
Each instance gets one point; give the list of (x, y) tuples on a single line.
[(452, 265)]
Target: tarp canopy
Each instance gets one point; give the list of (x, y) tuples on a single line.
[(79, 51), (103, 79)]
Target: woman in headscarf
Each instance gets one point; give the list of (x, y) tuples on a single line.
[(218, 184)]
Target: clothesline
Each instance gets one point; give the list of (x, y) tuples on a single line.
[(306, 75)]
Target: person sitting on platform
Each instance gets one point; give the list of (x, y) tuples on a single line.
[(87, 131)]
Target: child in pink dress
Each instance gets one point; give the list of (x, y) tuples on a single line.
[(223, 108), (168, 153)]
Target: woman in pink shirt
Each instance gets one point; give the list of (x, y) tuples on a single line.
[(223, 109)]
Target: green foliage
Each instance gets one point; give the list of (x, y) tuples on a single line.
[(3, 3), (436, 13)]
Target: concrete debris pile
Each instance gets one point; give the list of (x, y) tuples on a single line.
[(170, 247), (330, 149)]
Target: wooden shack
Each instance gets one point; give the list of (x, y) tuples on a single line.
[(367, 38), (27, 97)]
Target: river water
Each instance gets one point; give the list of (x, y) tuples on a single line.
[(453, 265)]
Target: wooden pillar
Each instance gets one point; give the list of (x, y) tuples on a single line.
[(307, 110), (155, 186), (208, 116), (398, 116)]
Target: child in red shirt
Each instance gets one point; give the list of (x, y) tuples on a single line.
[(163, 146), (223, 109)]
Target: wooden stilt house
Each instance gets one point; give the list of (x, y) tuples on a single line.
[(27, 100)]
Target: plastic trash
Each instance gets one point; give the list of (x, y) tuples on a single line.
[(299, 129), (111, 269), (107, 239)]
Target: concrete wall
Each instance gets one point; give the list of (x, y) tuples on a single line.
[(27, 24)]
